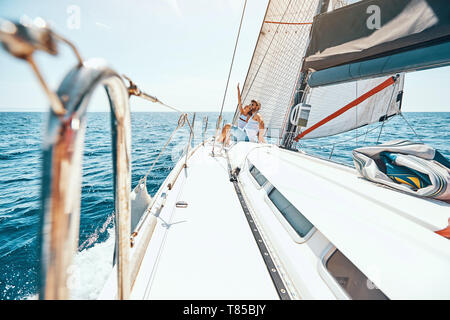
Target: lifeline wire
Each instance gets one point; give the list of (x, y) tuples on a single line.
[(181, 121)]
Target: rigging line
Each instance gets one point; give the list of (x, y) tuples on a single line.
[(229, 75), (354, 103), (367, 131), (232, 59), (401, 114), (342, 141), (170, 107), (181, 123), (134, 90), (253, 56), (387, 110), (371, 115), (156, 100), (297, 90)]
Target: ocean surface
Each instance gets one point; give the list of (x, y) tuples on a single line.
[(20, 174)]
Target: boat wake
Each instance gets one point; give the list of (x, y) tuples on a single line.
[(91, 268)]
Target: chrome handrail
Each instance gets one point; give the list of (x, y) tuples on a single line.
[(62, 157), (61, 187)]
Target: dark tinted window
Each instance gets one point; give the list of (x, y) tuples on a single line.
[(257, 175), (300, 224), (353, 281)]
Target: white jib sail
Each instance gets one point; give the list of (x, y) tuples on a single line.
[(325, 101)]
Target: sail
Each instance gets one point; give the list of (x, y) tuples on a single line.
[(359, 101), (275, 66), (378, 37), (274, 76), (376, 28), (328, 100)]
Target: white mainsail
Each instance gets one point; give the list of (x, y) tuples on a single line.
[(275, 69), (277, 59)]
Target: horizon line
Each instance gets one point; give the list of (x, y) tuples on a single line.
[(169, 111)]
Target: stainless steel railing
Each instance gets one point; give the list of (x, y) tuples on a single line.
[(62, 157)]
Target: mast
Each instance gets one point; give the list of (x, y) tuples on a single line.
[(299, 96)]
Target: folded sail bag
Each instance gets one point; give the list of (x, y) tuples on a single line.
[(405, 165)]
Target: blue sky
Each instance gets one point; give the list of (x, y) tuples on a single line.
[(177, 50)]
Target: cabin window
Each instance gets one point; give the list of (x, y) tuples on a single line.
[(260, 179), (351, 279), (300, 224)]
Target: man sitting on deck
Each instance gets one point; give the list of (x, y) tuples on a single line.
[(250, 124)]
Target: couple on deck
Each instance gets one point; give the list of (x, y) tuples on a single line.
[(250, 126)]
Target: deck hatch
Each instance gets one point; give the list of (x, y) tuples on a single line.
[(259, 177), (351, 279), (295, 218)]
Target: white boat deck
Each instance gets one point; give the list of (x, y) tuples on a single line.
[(207, 250)]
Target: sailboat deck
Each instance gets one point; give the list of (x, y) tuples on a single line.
[(208, 250)]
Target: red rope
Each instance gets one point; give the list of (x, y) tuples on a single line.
[(352, 104)]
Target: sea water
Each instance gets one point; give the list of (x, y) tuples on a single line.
[(20, 173)]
